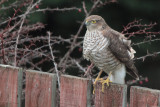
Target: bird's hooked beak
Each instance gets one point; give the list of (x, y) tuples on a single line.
[(87, 23)]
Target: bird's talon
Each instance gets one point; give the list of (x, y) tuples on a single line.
[(93, 89), (97, 79), (107, 81), (94, 84)]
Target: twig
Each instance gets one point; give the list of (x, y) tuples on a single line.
[(139, 43), (89, 69), (144, 57), (53, 58), (79, 66), (84, 8), (54, 9)]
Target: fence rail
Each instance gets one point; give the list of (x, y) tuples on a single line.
[(41, 91)]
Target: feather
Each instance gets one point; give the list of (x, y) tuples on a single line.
[(120, 47)]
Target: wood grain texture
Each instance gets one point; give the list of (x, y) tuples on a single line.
[(113, 96), (20, 85), (40, 89), (9, 86), (144, 97), (75, 92)]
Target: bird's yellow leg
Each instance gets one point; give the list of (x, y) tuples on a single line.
[(107, 81), (97, 79)]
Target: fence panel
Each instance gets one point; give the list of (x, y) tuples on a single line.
[(144, 97), (114, 95), (75, 92), (40, 89), (10, 86)]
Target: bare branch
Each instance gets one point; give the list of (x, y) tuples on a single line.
[(53, 58), (42, 10), (20, 28), (148, 55), (79, 66), (149, 41), (84, 8)]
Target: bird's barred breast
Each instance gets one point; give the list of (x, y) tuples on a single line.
[(95, 48), (93, 41), (105, 60)]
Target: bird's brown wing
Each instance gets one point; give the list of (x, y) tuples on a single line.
[(121, 49)]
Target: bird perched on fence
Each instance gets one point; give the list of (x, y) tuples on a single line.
[(109, 50)]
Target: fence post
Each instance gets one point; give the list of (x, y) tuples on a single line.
[(10, 86), (75, 92), (40, 89), (114, 95), (144, 97)]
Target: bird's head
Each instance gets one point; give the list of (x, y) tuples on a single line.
[(95, 22)]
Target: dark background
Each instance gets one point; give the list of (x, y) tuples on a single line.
[(116, 15)]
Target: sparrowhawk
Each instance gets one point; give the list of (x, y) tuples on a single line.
[(108, 49)]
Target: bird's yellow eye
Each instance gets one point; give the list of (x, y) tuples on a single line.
[(93, 21)]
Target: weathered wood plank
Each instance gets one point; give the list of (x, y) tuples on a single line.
[(113, 96), (40, 89), (144, 97), (20, 85), (10, 84), (75, 92)]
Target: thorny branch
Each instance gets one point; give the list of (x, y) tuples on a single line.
[(20, 28), (53, 58), (79, 66), (143, 29), (42, 10), (145, 56)]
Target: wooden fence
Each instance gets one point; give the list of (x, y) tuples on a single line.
[(40, 91)]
